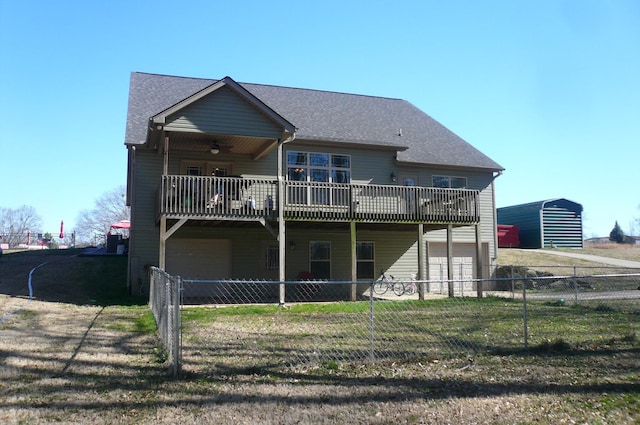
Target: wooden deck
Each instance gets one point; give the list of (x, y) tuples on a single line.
[(235, 198)]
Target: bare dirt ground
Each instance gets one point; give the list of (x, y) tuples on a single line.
[(64, 360)]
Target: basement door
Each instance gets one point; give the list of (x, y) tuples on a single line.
[(463, 264), (199, 258)]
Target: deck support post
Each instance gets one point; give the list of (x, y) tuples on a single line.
[(450, 259), (479, 289), (163, 243), (162, 255), (165, 156), (354, 261), (421, 261), (281, 228)]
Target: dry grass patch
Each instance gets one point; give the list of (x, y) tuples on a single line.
[(612, 250), (97, 363)]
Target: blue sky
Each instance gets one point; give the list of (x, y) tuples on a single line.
[(549, 89)]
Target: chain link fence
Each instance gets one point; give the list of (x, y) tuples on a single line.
[(164, 301), (238, 324)]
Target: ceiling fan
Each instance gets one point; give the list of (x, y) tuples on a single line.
[(216, 148)]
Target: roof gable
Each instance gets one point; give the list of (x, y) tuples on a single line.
[(317, 115), (224, 112), (190, 103)]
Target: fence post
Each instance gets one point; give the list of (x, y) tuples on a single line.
[(575, 285), (524, 314), (513, 285), (175, 336), (152, 292), (372, 355)]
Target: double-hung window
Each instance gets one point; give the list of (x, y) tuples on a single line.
[(365, 260), (320, 259), (272, 258)]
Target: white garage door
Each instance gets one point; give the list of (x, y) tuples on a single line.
[(199, 258), (463, 264)]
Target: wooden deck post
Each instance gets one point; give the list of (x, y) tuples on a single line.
[(421, 261), (354, 262), (479, 267), (163, 243), (281, 227), (450, 259), (163, 218)]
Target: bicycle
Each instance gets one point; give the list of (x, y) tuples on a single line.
[(411, 287), (384, 283)]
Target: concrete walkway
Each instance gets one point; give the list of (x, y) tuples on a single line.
[(594, 258)]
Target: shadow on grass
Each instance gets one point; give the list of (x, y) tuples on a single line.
[(60, 379), (148, 387), (66, 276)]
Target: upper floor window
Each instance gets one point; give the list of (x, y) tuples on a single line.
[(450, 182), (318, 167)]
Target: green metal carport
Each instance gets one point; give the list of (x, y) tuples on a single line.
[(546, 224)]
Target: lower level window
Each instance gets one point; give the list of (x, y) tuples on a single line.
[(272, 258), (320, 259), (365, 259)]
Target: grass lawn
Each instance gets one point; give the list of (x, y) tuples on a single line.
[(80, 354)]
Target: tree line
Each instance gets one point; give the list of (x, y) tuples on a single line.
[(617, 234), (18, 225)]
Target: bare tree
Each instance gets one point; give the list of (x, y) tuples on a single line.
[(109, 208), (16, 223)]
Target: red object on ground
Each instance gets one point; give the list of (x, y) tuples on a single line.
[(508, 236), (62, 229), (122, 224)]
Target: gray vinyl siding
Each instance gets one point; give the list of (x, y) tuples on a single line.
[(265, 167), (371, 166), (144, 243), (466, 234), (223, 112), (245, 246), (396, 252)]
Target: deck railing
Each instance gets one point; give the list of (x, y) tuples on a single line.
[(235, 198)]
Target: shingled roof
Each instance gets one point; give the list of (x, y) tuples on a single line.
[(321, 116)]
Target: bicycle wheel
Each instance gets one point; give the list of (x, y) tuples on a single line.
[(398, 288), (410, 289), (380, 287)]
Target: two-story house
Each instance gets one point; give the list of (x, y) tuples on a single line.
[(249, 181)]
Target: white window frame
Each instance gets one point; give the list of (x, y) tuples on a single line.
[(372, 260), (272, 258), (311, 260), (311, 197), (207, 168), (449, 178)]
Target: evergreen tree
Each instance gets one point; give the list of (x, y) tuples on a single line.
[(617, 235)]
